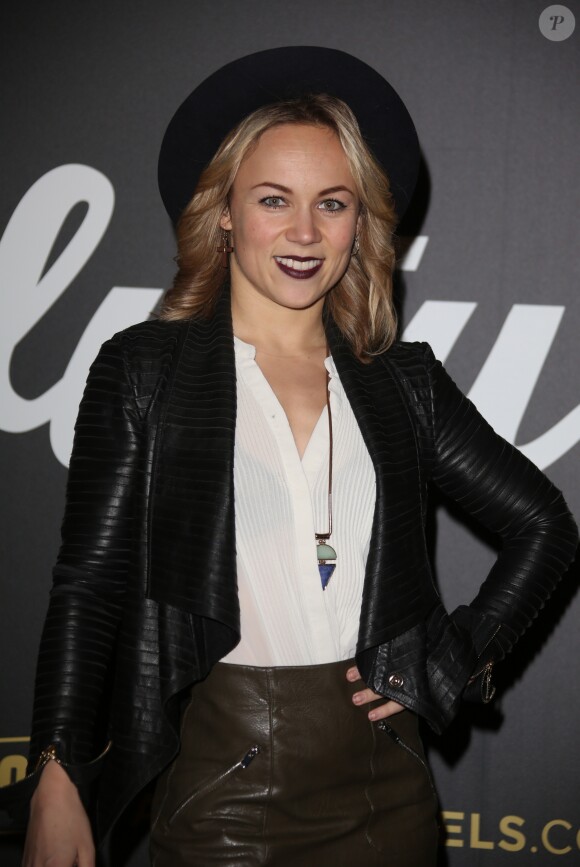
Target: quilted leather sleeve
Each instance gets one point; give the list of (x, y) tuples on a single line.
[(492, 481), (90, 575)]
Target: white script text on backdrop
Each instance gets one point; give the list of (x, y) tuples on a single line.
[(501, 391)]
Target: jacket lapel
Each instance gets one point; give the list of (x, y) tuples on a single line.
[(193, 555), (398, 587)]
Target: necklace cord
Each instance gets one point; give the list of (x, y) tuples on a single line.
[(330, 453)]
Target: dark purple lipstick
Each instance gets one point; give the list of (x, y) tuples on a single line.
[(299, 267)]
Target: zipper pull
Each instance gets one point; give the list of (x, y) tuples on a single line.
[(250, 756), (49, 754), (487, 687)]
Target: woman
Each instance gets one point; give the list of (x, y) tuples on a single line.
[(270, 661)]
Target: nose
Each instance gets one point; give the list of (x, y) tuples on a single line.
[(302, 228)]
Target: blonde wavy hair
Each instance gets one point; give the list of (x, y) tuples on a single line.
[(361, 303)]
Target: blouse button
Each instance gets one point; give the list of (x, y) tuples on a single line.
[(396, 681)]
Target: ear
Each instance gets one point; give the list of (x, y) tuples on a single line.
[(225, 219)]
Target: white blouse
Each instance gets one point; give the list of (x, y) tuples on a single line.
[(280, 503)]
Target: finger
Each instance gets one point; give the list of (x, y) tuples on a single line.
[(364, 696), (385, 710), (353, 673)]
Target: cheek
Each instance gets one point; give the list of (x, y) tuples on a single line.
[(252, 244), (344, 235), (252, 235), (344, 242)]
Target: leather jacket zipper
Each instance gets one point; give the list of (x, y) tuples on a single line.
[(488, 642), (487, 688), (50, 754)]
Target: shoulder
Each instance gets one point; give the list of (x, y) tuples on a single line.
[(404, 350), (412, 361), (148, 344), (150, 333), (142, 356)]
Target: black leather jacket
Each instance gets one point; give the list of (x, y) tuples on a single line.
[(144, 600)]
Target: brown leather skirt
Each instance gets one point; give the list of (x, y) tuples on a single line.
[(278, 767)]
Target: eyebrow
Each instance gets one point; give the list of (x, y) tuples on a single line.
[(283, 189)]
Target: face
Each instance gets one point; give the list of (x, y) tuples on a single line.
[(293, 215)]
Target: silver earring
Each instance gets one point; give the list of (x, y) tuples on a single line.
[(355, 247)]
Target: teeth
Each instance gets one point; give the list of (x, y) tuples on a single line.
[(296, 265)]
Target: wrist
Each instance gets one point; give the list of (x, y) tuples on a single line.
[(53, 783)]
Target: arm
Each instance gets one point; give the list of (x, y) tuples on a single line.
[(90, 573), (492, 481), (84, 610)]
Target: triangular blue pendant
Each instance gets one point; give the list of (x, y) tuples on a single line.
[(326, 570)]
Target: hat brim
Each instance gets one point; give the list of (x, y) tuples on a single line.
[(237, 89)]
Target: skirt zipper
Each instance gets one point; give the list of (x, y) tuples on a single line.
[(241, 764), (385, 727)]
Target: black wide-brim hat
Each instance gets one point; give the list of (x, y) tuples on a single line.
[(229, 95)]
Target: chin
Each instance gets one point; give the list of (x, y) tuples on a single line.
[(299, 294), (294, 303)]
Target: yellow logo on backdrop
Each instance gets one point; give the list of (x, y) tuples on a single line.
[(557, 836), (12, 764)]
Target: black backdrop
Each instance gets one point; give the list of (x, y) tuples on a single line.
[(490, 279)]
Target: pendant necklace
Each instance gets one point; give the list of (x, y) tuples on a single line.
[(324, 551)]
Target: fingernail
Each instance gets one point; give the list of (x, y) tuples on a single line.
[(372, 715), (357, 698)]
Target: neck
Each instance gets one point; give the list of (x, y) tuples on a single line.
[(278, 330)]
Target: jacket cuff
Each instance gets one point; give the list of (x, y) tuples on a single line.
[(491, 641)]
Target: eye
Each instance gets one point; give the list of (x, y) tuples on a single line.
[(331, 205), (273, 201)]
